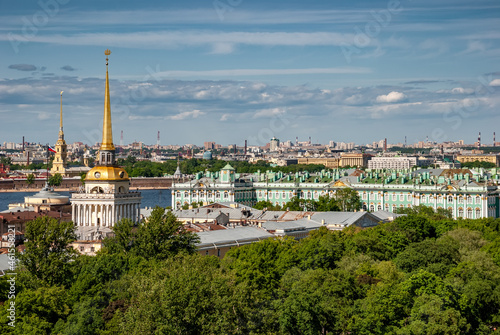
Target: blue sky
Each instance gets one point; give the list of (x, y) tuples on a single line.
[(230, 70)]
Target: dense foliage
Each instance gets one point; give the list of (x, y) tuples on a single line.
[(419, 274), (137, 168), (344, 200)]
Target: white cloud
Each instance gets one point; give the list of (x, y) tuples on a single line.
[(184, 115), (262, 72), (225, 117), (495, 82), (220, 41), (391, 97), (270, 112)]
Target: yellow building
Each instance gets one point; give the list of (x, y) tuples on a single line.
[(354, 159), (329, 162), (490, 158), (59, 163)]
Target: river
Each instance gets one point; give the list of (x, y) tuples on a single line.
[(150, 198)]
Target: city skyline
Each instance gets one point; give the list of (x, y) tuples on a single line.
[(230, 71)]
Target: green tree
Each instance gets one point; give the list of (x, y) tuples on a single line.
[(37, 311), (123, 238), (185, 295), (55, 180), (327, 204), (83, 175), (30, 179), (48, 254), (162, 236), (261, 265), (348, 199), (317, 301)]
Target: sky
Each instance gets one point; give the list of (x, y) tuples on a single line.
[(235, 70)]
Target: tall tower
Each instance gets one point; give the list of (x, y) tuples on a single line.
[(59, 163), (106, 198)]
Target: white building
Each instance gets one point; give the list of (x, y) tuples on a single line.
[(392, 162)]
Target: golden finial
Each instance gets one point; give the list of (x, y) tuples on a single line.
[(107, 52)]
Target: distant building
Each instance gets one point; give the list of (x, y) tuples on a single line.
[(392, 162), (490, 158), (274, 144)]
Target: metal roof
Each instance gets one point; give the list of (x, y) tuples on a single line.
[(233, 235)]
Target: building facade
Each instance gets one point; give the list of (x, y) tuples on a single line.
[(464, 193), (392, 162)]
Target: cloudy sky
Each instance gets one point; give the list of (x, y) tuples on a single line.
[(230, 70)]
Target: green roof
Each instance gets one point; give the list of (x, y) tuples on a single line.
[(228, 167)]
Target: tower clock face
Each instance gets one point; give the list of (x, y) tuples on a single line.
[(97, 174)]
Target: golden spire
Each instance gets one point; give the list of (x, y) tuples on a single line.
[(61, 133), (107, 134)]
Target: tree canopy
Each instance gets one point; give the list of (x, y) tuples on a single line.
[(419, 274)]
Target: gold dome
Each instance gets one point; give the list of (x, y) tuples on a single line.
[(104, 173)]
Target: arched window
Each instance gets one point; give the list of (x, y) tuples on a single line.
[(469, 199), (394, 208), (460, 212), (469, 213), (386, 207), (372, 208), (364, 207), (478, 200), (460, 199), (478, 213), (186, 194), (379, 207)]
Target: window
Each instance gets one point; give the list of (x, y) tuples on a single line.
[(440, 199), (424, 198), (372, 208), (364, 195), (469, 199), (82, 248), (394, 197), (226, 195), (277, 195), (309, 195), (460, 199), (364, 207), (394, 208), (206, 253), (386, 196), (408, 197), (92, 249), (469, 213), (450, 198), (218, 252), (283, 195), (387, 207), (478, 213), (460, 212), (401, 197), (178, 195), (379, 207)]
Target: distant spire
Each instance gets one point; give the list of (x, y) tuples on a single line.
[(61, 133), (107, 134)]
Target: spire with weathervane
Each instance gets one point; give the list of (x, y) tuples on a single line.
[(107, 149), (59, 163)]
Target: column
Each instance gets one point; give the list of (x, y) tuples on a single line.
[(73, 212)]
